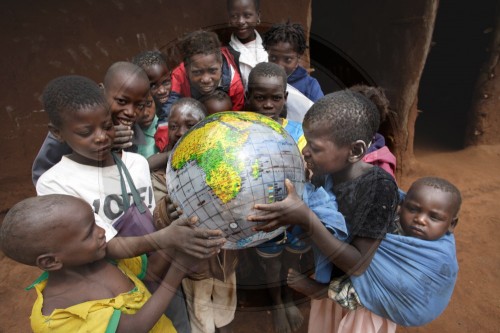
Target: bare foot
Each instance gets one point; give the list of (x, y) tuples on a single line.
[(295, 318), (280, 320), (305, 285)]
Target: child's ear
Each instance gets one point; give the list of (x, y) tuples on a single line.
[(358, 150), (286, 95), (48, 262), (101, 85), (55, 132), (453, 224)]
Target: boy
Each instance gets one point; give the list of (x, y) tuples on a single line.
[(267, 95), (286, 43), (218, 101), (417, 277), (148, 121), (79, 116), (126, 87), (155, 66), (185, 113), (79, 289)]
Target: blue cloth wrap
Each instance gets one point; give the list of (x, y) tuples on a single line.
[(409, 280), (323, 203)]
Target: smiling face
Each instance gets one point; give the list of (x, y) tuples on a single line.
[(267, 96), (428, 212), (78, 239), (204, 72), (159, 81), (321, 154), (126, 95), (283, 54), (90, 133), (243, 18)]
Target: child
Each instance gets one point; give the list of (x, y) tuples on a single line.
[(80, 290), (211, 293), (218, 101), (185, 113), (148, 121), (286, 43), (79, 116), (207, 66), (155, 66), (378, 153), (244, 16), (338, 129), (126, 87), (409, 281), (267, 95)]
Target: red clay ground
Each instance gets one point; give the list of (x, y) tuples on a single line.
[(475, 304)]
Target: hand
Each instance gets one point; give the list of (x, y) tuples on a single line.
[(292, 210), (123, 137), (198, 242), (165, 212)]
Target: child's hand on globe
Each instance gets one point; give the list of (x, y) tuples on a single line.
[(291, 211), (197, 242)]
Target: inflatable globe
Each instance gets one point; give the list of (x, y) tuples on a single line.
[(226, 164)]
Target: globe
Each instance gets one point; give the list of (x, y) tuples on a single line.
[(226, 164)]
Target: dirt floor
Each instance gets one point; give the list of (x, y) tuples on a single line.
[(475, 304)]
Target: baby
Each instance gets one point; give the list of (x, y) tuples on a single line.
[(411, 278)]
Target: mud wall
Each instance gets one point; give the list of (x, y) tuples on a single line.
[(43, 40), (388, 40)]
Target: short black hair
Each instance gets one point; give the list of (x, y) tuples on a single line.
[(266, 69), (27, 223), (348, 115), (149, 58), (217, 94), (122, 68), (292, 33), (70, 93), (191, 103), (442, 185), (256, 4), (200, 42)]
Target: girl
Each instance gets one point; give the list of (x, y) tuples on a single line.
[(206, 67), (338, 129), (244, 16)]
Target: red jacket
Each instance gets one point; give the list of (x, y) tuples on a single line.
[(230, 82)]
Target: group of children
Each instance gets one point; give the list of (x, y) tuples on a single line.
[(118, 256)]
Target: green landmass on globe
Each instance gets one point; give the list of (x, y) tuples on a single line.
[(218, 157)]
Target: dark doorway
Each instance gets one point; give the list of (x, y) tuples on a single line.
[(459, 49)]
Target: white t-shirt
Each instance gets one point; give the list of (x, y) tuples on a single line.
[(100, 187)]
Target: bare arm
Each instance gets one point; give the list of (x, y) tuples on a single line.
[(144, 319), (352, 258), (181, 235)]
